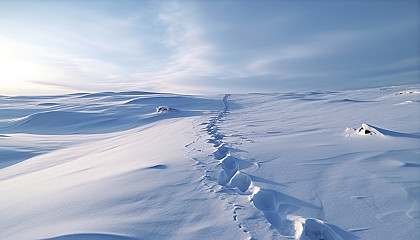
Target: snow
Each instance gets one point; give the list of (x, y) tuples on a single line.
[(309, 165)]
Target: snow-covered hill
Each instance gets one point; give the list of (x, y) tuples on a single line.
[(312, 165)]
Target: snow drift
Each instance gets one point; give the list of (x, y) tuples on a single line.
[(244, 166)]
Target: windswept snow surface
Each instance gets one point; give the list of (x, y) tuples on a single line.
[(310, 166)]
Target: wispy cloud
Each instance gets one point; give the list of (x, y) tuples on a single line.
[(208, 46), (318, 46), (189, 55)]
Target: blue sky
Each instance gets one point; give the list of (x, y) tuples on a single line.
[(49, 47)]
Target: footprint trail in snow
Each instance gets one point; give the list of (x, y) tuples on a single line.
[(227, 174)]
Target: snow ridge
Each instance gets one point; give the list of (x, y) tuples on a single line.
[(231, 176), (240, 166)]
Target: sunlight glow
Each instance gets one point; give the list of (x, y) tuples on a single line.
[(13, 68), (18, 69)]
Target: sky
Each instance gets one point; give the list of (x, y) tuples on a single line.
[(206, 47)]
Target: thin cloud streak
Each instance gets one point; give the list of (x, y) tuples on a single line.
[(189, 58), (210, 47)]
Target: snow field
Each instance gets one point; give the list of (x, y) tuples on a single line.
[(310, 166), (274, 205)]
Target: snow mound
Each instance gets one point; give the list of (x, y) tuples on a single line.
[(364, 130), (377, 131), (58, 118), (95, 113)]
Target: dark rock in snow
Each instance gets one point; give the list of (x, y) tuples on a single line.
[(163, 109)]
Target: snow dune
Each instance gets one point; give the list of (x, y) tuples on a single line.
[(313, 165)]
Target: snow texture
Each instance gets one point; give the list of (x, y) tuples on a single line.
[(301, 165)]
